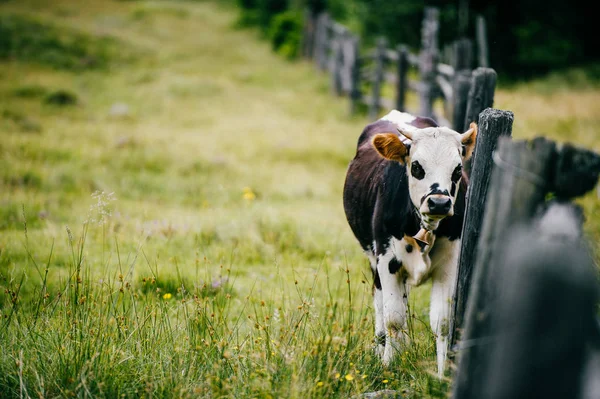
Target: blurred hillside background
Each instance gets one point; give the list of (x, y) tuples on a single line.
[(171, 218)]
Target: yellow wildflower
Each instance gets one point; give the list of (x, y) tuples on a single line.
[(349, 377), (248, 194), (167, 296), (385, 381), (320, 383)]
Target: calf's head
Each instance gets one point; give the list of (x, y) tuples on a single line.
[(434, 159)]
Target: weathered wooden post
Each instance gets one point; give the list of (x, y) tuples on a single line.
[(493, 124), (544, 318), (336, 64), (428, 59), (401, 74), (481, 94), (482, 44), (322, 43), (308, 34), (461, 85), (317, 39), (462, 58), (354, 60), (378, 75), (523, 175), (517, 188), (462, 53)]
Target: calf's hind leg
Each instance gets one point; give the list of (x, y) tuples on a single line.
[(377, 305)]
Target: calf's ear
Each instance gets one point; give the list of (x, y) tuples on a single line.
[(468, 140), (389, 146)]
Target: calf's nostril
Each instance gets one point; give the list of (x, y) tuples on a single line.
[(430, 203)]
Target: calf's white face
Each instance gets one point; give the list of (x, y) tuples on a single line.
[(433, 158)]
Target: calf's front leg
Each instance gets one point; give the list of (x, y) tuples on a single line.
[(444, 265)]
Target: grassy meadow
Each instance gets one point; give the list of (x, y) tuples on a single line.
[(171, 222)]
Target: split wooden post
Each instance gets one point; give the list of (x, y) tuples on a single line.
[(401, 77), (493, 123), (378, 76)]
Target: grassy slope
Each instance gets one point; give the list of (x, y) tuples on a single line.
[(229, 162)]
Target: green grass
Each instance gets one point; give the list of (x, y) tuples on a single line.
[(222, 265)]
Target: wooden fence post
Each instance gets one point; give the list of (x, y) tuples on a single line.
[(308, 34), (336, 64), (482, 43), (461, 85), (493, 124), (322, 41), (462, 54), (481, 94), (524, 173), (517, 188), (317, 39), (378, 76), (428, 59), (544, 317), (401, 76), (354, 61)]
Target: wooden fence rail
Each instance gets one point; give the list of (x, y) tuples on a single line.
[(365, 76)]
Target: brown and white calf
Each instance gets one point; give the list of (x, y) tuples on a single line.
[(407, 179)]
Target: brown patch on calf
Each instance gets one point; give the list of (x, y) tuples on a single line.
[(389, 146), (415, 243)]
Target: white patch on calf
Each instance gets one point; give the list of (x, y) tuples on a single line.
[(416, 263), (401, 119)]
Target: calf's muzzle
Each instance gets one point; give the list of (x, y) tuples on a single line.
[(439, 205)]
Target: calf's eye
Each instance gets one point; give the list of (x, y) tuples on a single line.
[(457, 174), (416, 170)]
